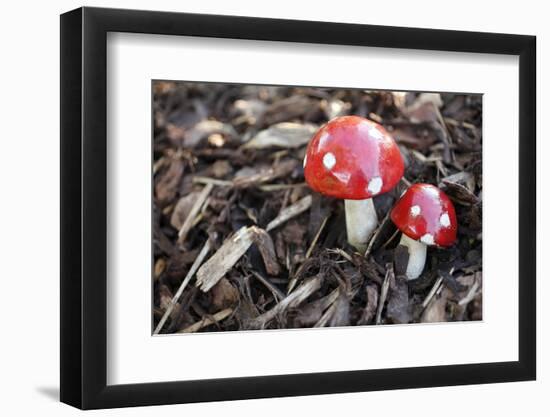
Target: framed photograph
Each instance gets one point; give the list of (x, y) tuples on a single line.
[(259, 208)]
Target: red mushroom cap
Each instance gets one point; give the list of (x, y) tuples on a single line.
[(425, 213), (352, 158)]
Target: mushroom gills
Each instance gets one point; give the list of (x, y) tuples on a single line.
[(361, 221), (417, 256)]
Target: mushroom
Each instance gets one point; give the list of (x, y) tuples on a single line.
[(426, 216), (355, 159)]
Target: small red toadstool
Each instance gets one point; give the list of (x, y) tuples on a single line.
[(426, 216), (355, 159)]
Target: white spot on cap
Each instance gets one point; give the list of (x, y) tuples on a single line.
[(433, 191), (342, 176), (329, 160), (375, 185), (375, 133), (428, 239), (415, 210), (305, 160), (445, 220), (323, 139)]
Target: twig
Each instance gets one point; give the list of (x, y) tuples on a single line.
[(227, 255), (187, 224), (432, 292), (198, 261), (375, 235), (158, 165), (385, 245), (471, 294), (447, 138), (198, 217), (332, 297), (383, 294), (297, 297), (207, 180), (289, 212), (316, 238), (262, 176), (264, 187), (285, 199), (277, 293), (342, 253), (277, 187), (207, 321)]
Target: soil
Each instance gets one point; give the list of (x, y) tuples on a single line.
[(241, 242)]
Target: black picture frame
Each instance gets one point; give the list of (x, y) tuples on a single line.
[(84, 207)]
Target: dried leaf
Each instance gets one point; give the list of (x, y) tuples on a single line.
[(197, 204), (220, 168), (267, 250), (175, 133), (249, 110), (398, 309), (335, 108), (161, 242), (435, 311), (340, 315), (206, 128), (294, 232), (183, 208), (401, 259), (165, 296), (224, 294), (167, 185), (417, 138), (459, 193), (463, 178), (160, 266), (178, 262), (248, 177), (288, 108), (372, 304), (311, 313), (283, 135)]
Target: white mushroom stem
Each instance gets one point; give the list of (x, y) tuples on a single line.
[(361, 221), (417, 256)]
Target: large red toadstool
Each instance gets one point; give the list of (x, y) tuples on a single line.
[(355, 159), (427, 217)]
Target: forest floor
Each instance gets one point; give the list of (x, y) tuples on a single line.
[(241, 242)]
